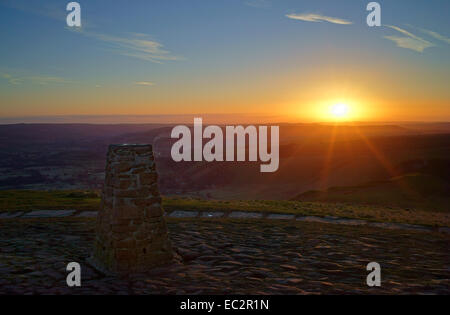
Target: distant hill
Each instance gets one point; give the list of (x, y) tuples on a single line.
[(312, 157), (411, 191), (28, 134)]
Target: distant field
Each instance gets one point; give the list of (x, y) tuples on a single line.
[(72, 157), (412, 191), (11, 200), (80, 200)]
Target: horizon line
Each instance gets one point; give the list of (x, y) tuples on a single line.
[(182, 118)]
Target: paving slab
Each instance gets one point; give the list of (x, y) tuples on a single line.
[(315, 219), (183, 214), (49, 214), (213, 214), (87, 214), (397, 226), (10, 215), (245, 215), (281, 216), (350, 221)]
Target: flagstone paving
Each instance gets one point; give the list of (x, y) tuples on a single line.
[(49, 214), (246, 215), (87, 214), (231, 256), (234, 215)]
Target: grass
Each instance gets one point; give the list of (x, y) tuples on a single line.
[(322, 209), (15, 200), (413, 191)]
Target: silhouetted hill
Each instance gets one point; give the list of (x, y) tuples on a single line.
[(312, 157), (26, 134), (412, 191)]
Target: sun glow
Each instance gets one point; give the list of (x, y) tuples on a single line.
[(340, 111)]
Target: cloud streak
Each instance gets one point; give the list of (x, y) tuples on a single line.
[(144, 83), (312, 17), (408, 40), (33, 79), (435, 35), (137, 46)]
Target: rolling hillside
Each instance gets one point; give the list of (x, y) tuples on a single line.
[(411, 191)]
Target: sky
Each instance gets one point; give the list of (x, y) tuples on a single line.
[(290, 60)]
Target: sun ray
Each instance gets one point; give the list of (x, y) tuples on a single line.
[(383, 161), (324, 174)]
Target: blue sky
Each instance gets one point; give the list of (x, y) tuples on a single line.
[(184, 56)]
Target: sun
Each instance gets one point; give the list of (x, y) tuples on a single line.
[(340, 110)]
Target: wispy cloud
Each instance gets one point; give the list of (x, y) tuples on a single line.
[(312, 17), (136, 45), (409, 40), (33, 79), (144, 83), (12, 80), (435, 35)]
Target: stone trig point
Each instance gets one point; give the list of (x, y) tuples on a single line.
[(131, 233)]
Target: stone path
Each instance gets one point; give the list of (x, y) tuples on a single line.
[(231, 256), (234, 215)]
